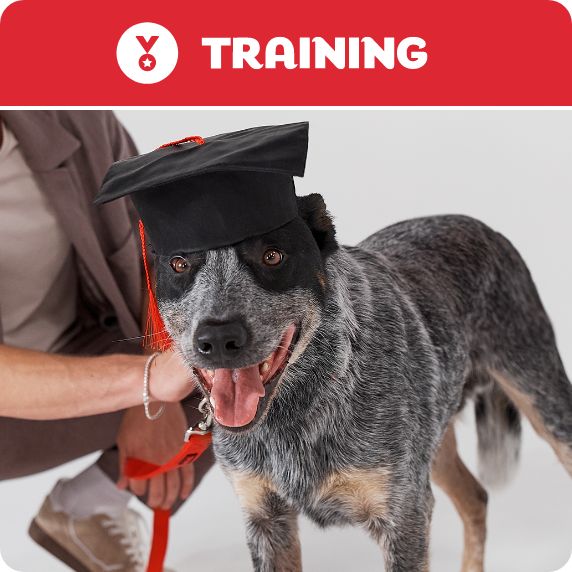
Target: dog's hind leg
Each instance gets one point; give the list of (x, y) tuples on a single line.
[(547, 403), (271, 525), (468, 496), (518, 348)]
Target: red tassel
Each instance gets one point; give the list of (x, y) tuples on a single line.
[(156, 336), (193, 138)]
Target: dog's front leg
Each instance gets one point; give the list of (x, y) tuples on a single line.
[(406, 540), (272, 533), (271, 525)]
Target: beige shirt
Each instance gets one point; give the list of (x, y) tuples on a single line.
[(38, 280)]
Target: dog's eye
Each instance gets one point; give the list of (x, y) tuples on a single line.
[(272, 257), (179, 264)]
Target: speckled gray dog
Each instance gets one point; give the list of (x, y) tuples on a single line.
[(336, 373)]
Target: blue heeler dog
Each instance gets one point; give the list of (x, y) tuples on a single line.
[(335, 374)]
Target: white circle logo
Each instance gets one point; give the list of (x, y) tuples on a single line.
[(147, 52)]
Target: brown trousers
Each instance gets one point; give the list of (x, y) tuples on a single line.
[(29, 447)]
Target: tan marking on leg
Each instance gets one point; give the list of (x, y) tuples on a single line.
[(526, 404), (251, 490), (363, 493), (468, 496)]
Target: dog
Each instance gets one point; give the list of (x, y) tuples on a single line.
[(335, 374)]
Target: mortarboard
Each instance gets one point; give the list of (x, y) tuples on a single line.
[(198, 194), (213, 192)]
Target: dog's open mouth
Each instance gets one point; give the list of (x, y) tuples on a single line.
[(235, 394)]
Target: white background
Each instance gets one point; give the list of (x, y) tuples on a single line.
[(513, 170)]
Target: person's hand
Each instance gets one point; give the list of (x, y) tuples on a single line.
[(156, 442), (169, 378)]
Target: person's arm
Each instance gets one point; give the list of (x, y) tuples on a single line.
[(36, 385)]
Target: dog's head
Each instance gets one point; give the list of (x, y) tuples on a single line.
[(240, 314)]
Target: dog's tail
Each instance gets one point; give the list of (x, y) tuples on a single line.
[(499, 435)]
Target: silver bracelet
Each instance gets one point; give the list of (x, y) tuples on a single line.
[(146, 396)]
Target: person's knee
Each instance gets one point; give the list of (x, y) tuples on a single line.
[(14, 462)]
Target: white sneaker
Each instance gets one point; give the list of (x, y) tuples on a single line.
[(99, 543)]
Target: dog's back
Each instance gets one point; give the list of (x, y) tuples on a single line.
[(466, 278)]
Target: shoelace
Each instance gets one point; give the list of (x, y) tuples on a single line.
[(131, 530)]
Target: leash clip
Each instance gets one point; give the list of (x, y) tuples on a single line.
[(202, 427)]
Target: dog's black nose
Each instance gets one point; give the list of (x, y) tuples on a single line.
[(220, 340)]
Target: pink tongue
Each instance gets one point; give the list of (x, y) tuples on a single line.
[(236, 393)]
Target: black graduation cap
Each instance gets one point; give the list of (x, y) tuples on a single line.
[(215, 192)]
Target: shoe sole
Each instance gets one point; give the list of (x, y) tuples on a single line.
[(42, 538)]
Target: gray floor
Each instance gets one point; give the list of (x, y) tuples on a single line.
[(530, 523)]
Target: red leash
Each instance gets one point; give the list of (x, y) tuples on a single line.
[(193, 448)]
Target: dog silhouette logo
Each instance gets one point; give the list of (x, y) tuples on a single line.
[(147, 53)]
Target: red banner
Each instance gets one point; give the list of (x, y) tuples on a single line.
[(408, 52)]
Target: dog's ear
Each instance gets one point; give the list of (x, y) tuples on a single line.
[(312, 209)]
